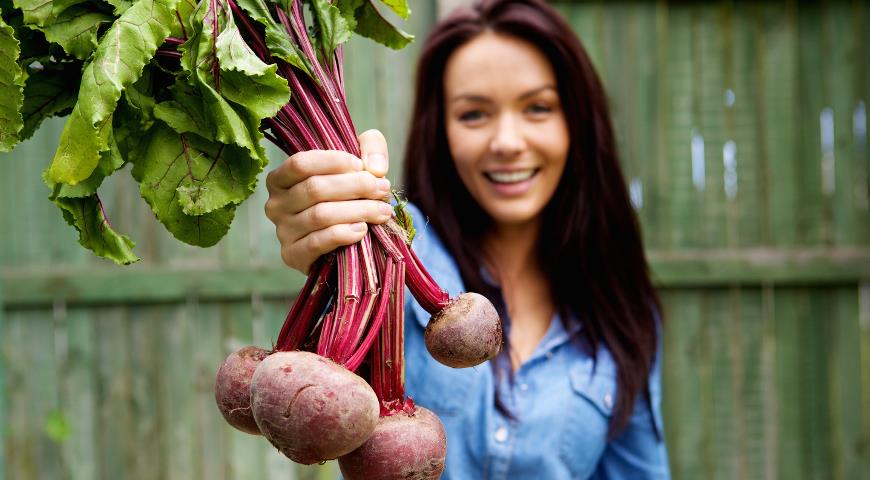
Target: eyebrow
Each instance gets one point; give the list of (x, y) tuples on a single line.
[(484, 98)]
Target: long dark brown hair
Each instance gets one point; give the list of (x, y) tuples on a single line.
[(590, 244)]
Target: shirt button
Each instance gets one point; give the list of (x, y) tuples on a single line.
[(608, 401), (500, 435), (549, 354), (524, 387)]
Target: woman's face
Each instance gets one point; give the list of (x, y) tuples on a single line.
[(505, 126)]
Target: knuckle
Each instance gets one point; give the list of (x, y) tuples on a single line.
[(271, 209), (318, 216), (313, 189), (297, 163)]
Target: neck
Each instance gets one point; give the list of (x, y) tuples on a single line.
[(514, 249)]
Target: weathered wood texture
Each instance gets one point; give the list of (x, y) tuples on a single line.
[(742, 129)]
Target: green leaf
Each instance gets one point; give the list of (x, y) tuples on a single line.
[(370, 23), (48, 93), (400, 7), (121, 6), (185, 112), (122, 54), (230, 123), (247, 80), (82, 208), (193, 185), (36, 12), (75, 29), (332, 28), (95, 231), (11, 89), (278, 41)]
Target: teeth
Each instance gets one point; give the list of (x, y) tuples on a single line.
[(511, 177)]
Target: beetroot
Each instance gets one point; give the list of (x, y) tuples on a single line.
[(403, 447), (464, 333), (232, 388), (310, 408)]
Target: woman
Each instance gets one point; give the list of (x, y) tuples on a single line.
[(517, 192)]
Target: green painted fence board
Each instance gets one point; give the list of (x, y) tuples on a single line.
[(107, 372), (80, 398)]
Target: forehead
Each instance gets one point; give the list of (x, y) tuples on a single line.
[(493, 62)]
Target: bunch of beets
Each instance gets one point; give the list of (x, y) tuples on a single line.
[(185, 91)]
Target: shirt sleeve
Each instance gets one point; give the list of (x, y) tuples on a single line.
[(639, 451)]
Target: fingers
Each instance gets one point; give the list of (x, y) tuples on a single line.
[(326, 226), (373, 146), (334, 188), (302, 165), (302, 254)]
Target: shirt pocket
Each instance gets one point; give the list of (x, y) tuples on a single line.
[(587, 419)]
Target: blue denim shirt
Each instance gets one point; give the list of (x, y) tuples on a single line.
[(561, 404)]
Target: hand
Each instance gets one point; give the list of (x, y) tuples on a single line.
[(322, 199)]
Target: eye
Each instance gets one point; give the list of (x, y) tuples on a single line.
[(471, 116), (539, 108)]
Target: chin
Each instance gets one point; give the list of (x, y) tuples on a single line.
[(513, 215)]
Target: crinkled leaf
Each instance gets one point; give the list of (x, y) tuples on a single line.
[(81, 208), (75, 29), (278, 41), (58, 6), (332, 29), (110, 160), (123, 52), (48, 93), (181, 27), (370, 23), (121, 6), (193, 185), (184, 113), (95, 232), (400, 7), (247, 80), (230, 124), (11, 88), (36, 12)]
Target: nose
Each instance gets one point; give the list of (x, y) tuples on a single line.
[(508, 139)]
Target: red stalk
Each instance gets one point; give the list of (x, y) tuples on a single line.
[(431, 297)]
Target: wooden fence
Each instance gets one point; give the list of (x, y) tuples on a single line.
[(742, 128)]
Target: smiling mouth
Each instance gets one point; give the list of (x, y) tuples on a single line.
[(508, 178)]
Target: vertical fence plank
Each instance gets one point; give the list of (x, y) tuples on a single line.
[(4, 427), (685, 376), (844, 391), (864, 326), (178, 334), (814, 366), (115, 378), (207, 357), (839, 63), (149, 461), (79, 394), (813, 228), (779, 112), (789, 305)]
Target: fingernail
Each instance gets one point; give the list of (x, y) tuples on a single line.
[(376, 162), (358, 227), (385, 209), (383, 184)]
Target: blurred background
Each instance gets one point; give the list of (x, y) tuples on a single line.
[(743, 133)]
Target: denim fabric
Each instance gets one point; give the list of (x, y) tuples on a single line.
[(562, 405)]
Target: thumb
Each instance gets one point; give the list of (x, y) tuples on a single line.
[(373, 146)]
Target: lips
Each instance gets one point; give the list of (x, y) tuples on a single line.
[(511, 177)]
